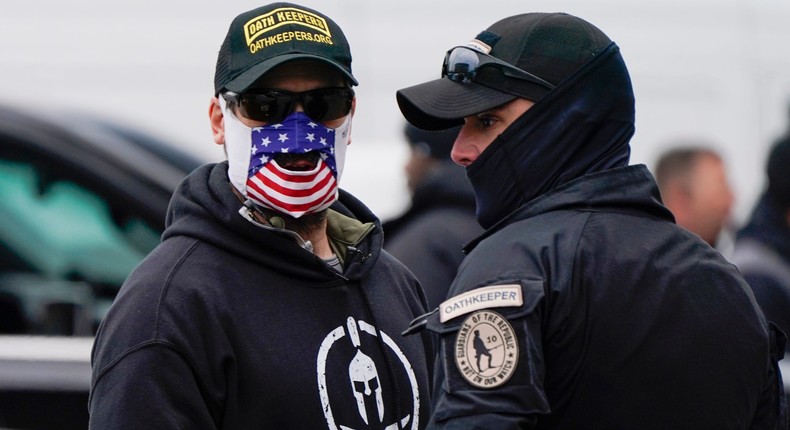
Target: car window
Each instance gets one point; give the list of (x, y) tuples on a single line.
[(63, 252)]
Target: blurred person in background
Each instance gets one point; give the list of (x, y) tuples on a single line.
[(694, 187), (592, 308), (269, 303), (762, 246), (429, 237)]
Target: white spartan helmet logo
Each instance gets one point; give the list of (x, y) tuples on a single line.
[(363, 375)]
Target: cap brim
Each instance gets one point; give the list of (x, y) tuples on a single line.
[(442, 103), (248, 77)]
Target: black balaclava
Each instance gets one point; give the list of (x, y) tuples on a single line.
[(582, 126)]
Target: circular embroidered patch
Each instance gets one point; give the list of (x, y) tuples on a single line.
[(486, 349)]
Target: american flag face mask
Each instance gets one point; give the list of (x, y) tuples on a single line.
[(252, 168)]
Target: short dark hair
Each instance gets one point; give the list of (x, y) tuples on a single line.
[(679, 161)]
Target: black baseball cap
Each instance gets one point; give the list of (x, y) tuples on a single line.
[(550, 46), (270, 35)]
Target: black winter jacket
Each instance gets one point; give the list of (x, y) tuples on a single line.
[(600, 313), (429, 237), (762, 254)]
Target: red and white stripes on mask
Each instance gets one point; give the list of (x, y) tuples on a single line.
[(254, 172)]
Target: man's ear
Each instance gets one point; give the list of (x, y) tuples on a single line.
[(353, 109), (217, 121)]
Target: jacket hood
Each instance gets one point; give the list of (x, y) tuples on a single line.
[(204, 207), (582, 126), (629, 189)]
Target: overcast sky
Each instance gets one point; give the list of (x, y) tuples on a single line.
[(712, 70)]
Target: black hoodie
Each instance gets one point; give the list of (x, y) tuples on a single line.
[(229, 325)]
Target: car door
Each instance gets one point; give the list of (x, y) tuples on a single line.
[(81, 203)]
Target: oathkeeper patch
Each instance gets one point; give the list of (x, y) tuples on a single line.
[(492, 296), (486, 349)]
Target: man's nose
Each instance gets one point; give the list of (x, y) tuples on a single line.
[(298, 106), (462, 152)]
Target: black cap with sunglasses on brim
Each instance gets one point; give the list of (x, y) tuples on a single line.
[(523, 56), (265, 37)]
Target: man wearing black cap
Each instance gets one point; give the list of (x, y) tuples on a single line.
[(269, 302), (429, 236), (762, 247), (598, 311)]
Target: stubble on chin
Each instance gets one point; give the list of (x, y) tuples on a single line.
[(306, 226)]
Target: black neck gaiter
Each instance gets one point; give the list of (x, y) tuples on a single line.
[(582, 126)]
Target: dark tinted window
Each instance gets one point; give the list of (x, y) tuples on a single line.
[(63, 252)]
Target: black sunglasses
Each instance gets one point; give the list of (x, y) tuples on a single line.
[(272, 106), (466, 65)]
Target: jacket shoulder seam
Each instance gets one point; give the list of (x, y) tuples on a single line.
[(168, 282)]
